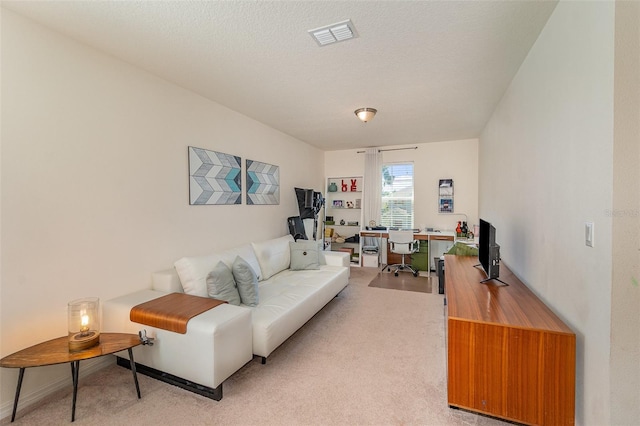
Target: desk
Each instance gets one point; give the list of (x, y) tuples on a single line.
[(420, 236), (56, 351)]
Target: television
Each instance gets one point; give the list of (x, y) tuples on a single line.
[(488, 251)]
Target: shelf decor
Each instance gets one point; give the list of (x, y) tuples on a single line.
[(263, 183), (214, 178), (344, 213)]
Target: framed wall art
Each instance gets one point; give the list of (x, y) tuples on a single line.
[(445, 196), (215, 178), (445, 205), (263, 183), (445, 188)]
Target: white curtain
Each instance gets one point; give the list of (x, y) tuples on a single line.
[(372, 185)]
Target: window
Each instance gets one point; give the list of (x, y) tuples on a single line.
[(397, 195)]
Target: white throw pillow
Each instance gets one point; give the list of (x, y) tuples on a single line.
[(193, 272), (273, 255), (247, 254)]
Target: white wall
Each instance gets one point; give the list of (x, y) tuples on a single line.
[(457, 160), (546, 168), (625, 297), (95, 183)]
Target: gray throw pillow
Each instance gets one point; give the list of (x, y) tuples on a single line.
[(247, 281), (221, 285), (304, 255)]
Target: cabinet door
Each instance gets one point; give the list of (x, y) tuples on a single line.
[(476, 366)]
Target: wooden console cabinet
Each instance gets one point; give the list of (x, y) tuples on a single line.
[(508, 355)]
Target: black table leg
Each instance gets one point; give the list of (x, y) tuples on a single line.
[(133, 370), (75, 370), (15, 402)]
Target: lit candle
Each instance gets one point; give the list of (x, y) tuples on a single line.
[(84, 323)]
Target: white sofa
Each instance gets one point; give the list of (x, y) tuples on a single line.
[(220, 341)]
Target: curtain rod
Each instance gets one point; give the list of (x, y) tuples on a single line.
[(390, 149)]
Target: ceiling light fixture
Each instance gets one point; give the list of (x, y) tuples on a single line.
[(365, 114)]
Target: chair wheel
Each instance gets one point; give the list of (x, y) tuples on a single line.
[(388, 269), (396, 274), (415, 274)]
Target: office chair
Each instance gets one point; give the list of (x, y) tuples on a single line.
[(402, 242)]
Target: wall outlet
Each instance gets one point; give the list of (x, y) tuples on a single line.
[(588, 234)]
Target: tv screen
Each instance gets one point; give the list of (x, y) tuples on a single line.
[(488, 250)]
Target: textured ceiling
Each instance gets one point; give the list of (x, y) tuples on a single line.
[(435, 70)]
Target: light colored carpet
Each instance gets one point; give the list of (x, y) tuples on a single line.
[(372, 356)]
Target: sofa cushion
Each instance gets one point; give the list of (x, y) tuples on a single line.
[(246, 253), (193, 271), (246, 280), (273, 255), (221, 284), (289, 299), (304, 255)]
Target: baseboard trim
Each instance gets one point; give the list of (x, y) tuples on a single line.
[(215, 394), (31, 397)]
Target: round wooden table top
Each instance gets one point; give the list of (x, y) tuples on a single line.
[(56, 351)]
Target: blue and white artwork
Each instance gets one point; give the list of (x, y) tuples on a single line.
[(214, 177), (263, 183)]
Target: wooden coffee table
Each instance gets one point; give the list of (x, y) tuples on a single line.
[(56, 351)]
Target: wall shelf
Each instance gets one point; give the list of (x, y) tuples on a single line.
[(344, 202)]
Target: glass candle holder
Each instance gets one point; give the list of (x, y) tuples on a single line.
[(84, 323)]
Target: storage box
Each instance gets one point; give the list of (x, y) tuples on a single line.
[(370, 260)]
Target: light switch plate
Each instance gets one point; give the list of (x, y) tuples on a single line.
[(588, 234)]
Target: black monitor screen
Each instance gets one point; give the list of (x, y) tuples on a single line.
[(485, 241)]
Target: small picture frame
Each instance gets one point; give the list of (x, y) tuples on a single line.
[(337, 204), (445, 205), (445, 187)]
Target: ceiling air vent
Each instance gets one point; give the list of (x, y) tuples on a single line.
[(334, 33)]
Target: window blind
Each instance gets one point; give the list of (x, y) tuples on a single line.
[(397, 195)]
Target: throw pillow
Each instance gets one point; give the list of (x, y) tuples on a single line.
[(304, 255), (273, 255), (246, 252), (193, 272), (247, 281), (221, 285)]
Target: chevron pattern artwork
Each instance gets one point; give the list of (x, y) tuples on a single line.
[(263, 183), (214, 177)]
